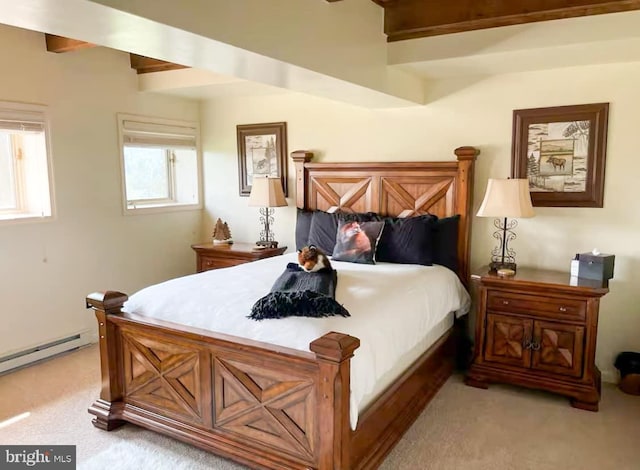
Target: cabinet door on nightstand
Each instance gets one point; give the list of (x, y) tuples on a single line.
[(561, 348), (507, 340)]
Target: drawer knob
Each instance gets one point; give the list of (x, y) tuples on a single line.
[(563, 309), (505, 302)]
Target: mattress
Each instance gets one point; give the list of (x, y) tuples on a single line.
[(397, 312)]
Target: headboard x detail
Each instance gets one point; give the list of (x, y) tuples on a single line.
[(398, 189)]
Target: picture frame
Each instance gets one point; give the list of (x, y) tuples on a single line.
[(262, 150), (561, 151)]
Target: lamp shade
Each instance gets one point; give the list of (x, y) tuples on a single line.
[(507, 198), (267, 192)]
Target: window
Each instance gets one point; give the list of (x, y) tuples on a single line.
[(160, 164), (25, 168)]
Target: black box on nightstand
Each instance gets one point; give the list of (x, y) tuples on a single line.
[(597, 267)]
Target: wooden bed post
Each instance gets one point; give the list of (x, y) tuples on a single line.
[(333, 352), (466, 158), (108, 405), (300, 157)]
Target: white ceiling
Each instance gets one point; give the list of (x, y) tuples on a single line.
[(227, 90), (202, 84), (569, 42), (599, 39), (341, 55)]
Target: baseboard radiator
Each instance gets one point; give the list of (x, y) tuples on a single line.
[(44, 351)]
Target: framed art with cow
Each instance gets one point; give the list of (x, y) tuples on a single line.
[(561, 151)]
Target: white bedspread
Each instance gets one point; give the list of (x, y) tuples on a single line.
[(393, 307)]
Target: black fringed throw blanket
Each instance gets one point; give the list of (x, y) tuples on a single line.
[(301, 294)]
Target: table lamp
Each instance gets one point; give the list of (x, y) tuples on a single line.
[(266, 193), (504, 199)]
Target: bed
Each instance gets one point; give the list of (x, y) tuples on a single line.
[(211, 389)]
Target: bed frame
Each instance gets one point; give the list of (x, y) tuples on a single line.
[(272, 407)]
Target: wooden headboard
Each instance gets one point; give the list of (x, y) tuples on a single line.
[(399, 189)]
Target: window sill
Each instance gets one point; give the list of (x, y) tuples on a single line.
[(14, 219), (160, 208)]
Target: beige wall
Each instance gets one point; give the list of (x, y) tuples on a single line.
[(46, 269), (464, 112)]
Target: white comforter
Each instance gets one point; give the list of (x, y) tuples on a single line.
[(393, 307)]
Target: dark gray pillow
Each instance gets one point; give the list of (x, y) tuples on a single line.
[(407, 240), (445, 251), (322, 232), (356, 242), (324, 226)]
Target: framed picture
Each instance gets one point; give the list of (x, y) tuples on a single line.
[(561, 151), (262, 150)]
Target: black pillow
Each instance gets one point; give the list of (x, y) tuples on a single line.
[(446, 242), (407, 240), (322, 232), (303, 226), (356, 242), (324, 226)]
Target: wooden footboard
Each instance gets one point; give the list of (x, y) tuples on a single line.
[(262, 405)]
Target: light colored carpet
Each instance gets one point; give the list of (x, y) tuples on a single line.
[(463, 428)]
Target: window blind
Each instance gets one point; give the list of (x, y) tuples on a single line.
[(19, 120), (21, 126), (147, 134)]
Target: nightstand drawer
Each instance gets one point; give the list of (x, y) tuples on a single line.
[(548, 307), (207, 263)]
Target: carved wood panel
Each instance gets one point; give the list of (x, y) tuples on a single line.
[(348, 194), (164, 376), (267, 406), (506, 339), (410, 196), (395, 195), (561, 348)]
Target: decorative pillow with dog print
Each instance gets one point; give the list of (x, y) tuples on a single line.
[(324, 226), (356, 242)]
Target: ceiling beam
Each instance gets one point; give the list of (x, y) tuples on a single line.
[(408, 19), (140, 63), (144, 64), (61, 44)]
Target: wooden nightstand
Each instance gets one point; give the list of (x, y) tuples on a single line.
[(210, 256), (537, 330)]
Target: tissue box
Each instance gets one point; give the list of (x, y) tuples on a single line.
[(597, 267)]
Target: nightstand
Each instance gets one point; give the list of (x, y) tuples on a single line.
[(538, 330), (210, 256)]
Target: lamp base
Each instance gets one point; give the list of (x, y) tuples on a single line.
[(495, 265), (267, 243)]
